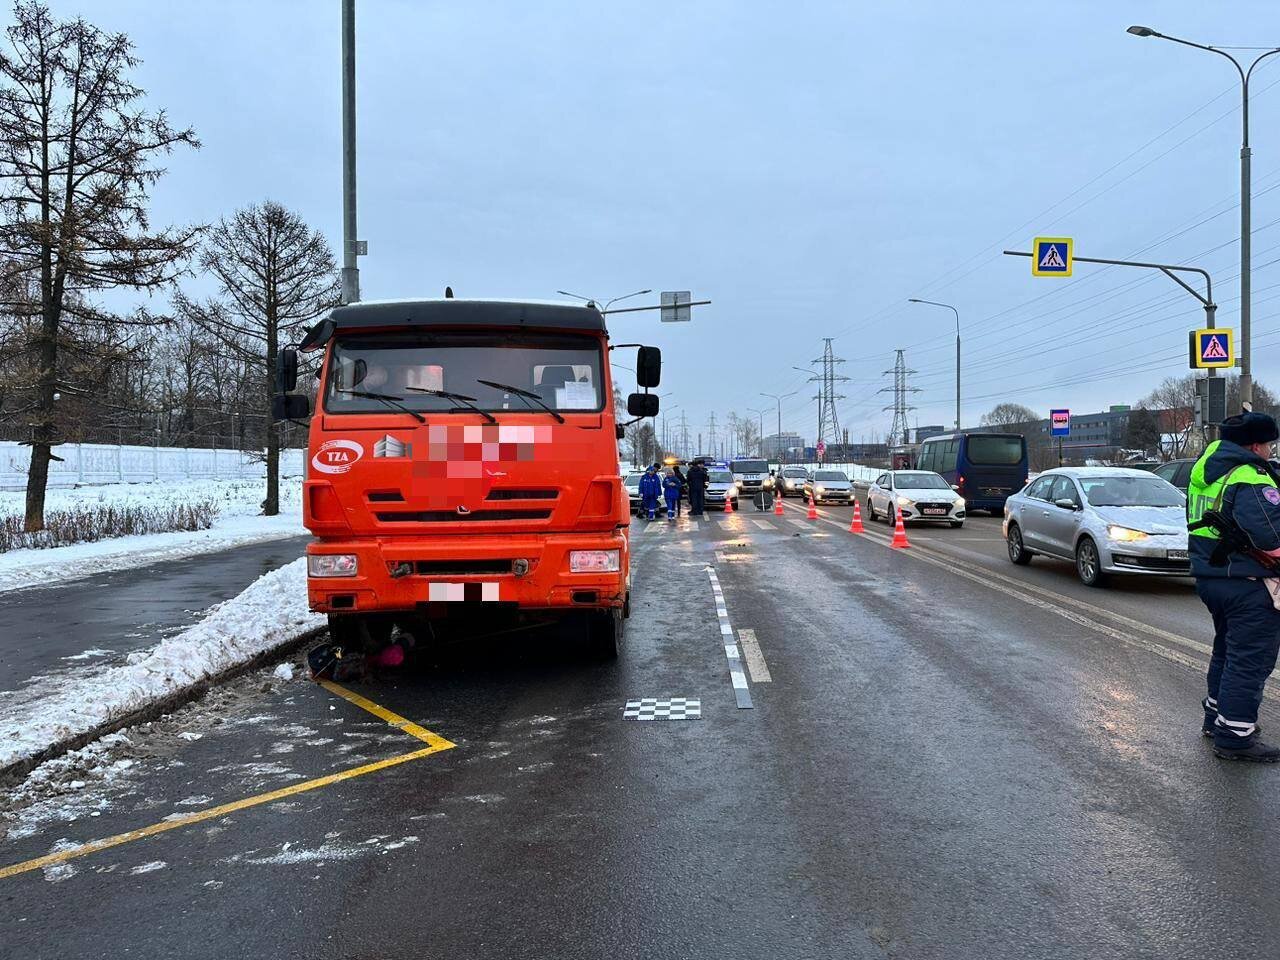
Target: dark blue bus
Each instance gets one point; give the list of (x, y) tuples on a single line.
[(984, 468)]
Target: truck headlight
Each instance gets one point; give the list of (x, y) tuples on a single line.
[(331, 565), (768, 483), (1124, 534), (593, 561)]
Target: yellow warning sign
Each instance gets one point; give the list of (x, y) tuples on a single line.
[(1051, 257)]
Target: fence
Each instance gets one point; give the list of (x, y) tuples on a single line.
[(91, 463)]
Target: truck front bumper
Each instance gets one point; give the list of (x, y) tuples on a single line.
[(399, 574)]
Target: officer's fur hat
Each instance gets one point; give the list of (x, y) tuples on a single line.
[(1249, 428)]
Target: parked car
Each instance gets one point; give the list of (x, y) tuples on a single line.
[(829, 486), (791, 481), (720, 487), (1177, 472), (919, 495), (1106, 520), (632, 482)]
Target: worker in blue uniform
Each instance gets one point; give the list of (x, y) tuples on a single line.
[(650, 490), (671, 487)]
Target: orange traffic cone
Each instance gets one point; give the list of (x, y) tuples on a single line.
[(855, 525), (728, 503), (813, 509), (777, 505), (899, 540)]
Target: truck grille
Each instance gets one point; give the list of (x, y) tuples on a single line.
[(459, 568), (510, 493), (452, 516)]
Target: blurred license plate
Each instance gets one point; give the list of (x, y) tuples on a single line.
[(935, 511), (1179, 555)]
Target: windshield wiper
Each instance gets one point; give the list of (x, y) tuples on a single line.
[(523, 395), (388, 399), (469, 402)]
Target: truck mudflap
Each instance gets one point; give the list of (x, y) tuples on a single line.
[(400, 574)]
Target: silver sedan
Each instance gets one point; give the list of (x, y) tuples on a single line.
[(1106, 520)]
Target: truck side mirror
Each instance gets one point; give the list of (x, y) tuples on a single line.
[(289, 406), (286, 370), (649, 367), (642, 404)]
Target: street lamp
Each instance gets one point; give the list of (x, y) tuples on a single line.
[(778, 398), (934, 303), (592, 301), (1246, 200)]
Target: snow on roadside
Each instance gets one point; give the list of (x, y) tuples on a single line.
[(238, 523), (270, 612)]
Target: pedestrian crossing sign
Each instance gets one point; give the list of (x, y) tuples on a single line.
[(1214, 347), (1051, 257)]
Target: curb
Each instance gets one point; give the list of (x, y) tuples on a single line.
[(15, 771)]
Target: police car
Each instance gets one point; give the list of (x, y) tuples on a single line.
[(751, 474)]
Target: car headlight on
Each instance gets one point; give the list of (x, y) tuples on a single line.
[(331, 565), (1124, 534), (959, 503), (819, 490), (904, 501), (768, 483)]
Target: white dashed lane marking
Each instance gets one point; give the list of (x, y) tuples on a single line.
[(736, 675), (754, 656)]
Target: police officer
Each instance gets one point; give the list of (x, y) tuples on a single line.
[(697, 478), (1233, 480)]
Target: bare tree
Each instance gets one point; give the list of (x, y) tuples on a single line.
[(77, 157), (275, 275), (1008, 414)]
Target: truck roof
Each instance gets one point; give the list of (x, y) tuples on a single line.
[(452, 312)]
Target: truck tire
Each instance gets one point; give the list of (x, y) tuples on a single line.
[(360, 632), (604, 634)]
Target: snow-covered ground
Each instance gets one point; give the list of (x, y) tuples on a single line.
[(271, 612), (238, 522)]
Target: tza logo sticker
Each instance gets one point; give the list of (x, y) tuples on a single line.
[(337, 456)]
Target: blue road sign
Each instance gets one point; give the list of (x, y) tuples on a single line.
[(1212, 347), (1051, 257), (1060, 423)]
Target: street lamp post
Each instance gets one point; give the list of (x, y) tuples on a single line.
[(934, 303), (778, 398), (1246, 199)]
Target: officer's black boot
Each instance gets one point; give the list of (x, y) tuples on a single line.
[(1210, 716), (1257, 752)]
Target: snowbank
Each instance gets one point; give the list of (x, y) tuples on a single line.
[(239, 503), (51, 716)]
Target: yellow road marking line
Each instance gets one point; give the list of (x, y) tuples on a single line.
[(435, 744), (382, 713)]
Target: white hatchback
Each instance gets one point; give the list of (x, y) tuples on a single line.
[(919, 495)]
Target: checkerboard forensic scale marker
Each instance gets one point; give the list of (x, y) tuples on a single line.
[(654, 708)]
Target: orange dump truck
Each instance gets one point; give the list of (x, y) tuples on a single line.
[(464, 465)]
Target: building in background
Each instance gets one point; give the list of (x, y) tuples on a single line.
[(933, 430), (776, 446)]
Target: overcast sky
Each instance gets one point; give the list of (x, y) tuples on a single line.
[(807, 166)]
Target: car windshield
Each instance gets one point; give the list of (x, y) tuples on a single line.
[(920, 481), (1130, 492), (994, 451), (562, 370), (829, 475), (633, 479), (720, 476), (795, 473), (749, 466)]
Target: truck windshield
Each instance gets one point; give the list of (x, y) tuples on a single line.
[(563, 370)]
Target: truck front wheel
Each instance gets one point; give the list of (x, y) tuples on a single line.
[(604, 633), (360, 632)]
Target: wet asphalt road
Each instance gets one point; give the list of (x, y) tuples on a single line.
[(99, 620), (944, 764)]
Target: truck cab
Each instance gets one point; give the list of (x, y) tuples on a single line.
[(463, 463)]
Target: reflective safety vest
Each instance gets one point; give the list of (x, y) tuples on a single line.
[(1203, 496)]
